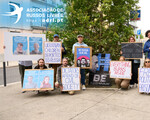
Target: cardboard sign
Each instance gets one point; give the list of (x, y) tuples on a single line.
[(99, 74), (132, 50), (144, 80), (23, 46), (52, 52), (70, 77), (36, 79), (83, 57), (120, 69)]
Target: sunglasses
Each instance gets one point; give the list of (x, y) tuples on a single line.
[(147, 61)]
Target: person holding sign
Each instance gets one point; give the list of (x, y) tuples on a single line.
[(122, 83), (135, 66), (54, 66), (147, 44), (147, 63), (59, 84), (41, 64), (82, 71)]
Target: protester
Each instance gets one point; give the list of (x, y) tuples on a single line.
[(147, 44), (22, 66), (54, 66), (36, 49), (80, 43), (59, 84), (147, 63), (135, 66), (122, 83), (41, 64)]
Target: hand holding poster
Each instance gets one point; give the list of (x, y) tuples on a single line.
[(70, 78), (83, 57), (52, 52), (38, 80), (120, 69), (144, 80)]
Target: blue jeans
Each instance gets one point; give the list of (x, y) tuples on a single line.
[(82, 72)]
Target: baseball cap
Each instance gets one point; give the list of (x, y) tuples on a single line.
[(79, 35), (56, 35)]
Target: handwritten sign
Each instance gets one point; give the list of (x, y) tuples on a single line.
[(70, 78), (144, 80), (132, 50), (120, 69), (36, 79), (83, 57), (52, 52)]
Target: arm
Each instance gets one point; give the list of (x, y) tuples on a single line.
[(73, 49), (64, 50), (146, 48)]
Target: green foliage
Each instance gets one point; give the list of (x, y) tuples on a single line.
[(104, 24)]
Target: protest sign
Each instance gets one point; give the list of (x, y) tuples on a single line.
[(70, 77), (36, 79), (144, 80), (52, 52), (18, 46), (132, 50), (83, 57), (99, 74), (120, 69)]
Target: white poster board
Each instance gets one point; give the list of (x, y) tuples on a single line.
[(70, 77), (23, 46), (120, 69), (144, 80), (52, 52)]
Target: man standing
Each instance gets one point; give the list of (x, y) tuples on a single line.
[(147, 44), (82, 72), (22, 66), (59, 84), (54, 66)]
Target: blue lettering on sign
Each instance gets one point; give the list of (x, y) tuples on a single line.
[(103, 61)]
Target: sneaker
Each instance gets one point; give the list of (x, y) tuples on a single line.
[(83, 87), (131, 86), (23, 91), (71, 92)]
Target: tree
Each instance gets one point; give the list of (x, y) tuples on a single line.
[(104, 24)]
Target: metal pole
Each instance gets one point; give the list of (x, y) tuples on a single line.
[(4, 73)]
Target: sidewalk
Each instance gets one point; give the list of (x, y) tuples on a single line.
[(92, 104)]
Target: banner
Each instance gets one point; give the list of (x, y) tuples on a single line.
[(36, 79), (99, 74), (23, 46), (120, 69), (144, 80), (132, 50), (83, 57), (52, 52), (70, 77)]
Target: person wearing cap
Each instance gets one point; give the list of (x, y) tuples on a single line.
[(54, 66), (82, 71), (147, 44)]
